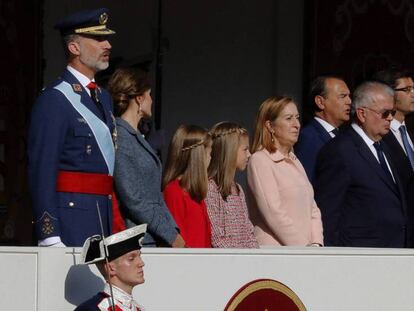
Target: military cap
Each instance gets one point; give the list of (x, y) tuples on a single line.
[(117, 245), (88, 22)]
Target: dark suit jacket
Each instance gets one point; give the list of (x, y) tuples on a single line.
[(360, 205), (311, 139), (405, 173)]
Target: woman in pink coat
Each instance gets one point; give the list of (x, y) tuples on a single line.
[(282, 209)]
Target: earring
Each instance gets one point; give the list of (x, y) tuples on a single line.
[(139, 105), (272, 134)]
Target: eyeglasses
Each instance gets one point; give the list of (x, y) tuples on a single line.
[(383, 114), (407, 89)]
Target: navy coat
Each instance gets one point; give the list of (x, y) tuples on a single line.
[(60, 139), (360, 205), (311, 139), (98, 302), (406, 175), (92, 303)]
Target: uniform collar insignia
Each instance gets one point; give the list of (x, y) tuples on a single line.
[(77, 87)]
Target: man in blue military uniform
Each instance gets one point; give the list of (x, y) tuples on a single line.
[(118, 258), (70, 146)]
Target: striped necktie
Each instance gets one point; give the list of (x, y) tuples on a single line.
[(407, 146)]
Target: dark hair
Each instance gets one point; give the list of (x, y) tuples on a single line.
[(125, 84), (318, 87), (65, 43), (390, 76)]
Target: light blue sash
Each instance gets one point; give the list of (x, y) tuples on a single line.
[(100, 129)]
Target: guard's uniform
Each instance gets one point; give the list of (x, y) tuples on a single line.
[(98, 250), (61, 141), (102, 301)]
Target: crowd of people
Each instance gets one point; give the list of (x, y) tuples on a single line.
[(345, 179)]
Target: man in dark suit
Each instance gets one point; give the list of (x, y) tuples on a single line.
[(332, 105), (356, 186), (399, 139), (70, 147)]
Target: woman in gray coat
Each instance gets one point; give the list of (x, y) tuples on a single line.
[(137, 168)]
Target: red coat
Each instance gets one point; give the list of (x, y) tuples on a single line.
[(191, 216)]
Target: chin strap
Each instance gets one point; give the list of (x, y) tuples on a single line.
[(111, 300)]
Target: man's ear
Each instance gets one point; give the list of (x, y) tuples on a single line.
[(360, 114), (320, 102), (74, 48), (110, 269)]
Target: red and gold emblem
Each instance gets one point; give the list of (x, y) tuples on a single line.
[(47, 226), (77, 87), (265, 294), (103, 19)]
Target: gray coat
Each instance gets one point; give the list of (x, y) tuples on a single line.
[(138, 184)]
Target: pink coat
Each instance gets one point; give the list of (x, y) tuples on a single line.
[(282, 205)]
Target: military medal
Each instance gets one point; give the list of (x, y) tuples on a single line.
[(115, 132)]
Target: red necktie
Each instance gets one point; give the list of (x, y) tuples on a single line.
[(92, 88)]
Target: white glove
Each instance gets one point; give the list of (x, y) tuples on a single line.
[(53, 241)]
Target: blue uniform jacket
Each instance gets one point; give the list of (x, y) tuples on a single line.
[(60, 139)]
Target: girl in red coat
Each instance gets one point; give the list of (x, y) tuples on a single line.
[(185, 183)]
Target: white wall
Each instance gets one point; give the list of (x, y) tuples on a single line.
[(325, 279)]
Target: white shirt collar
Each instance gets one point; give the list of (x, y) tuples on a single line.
[(327, 126), (361, 133), (395, 129), (84, 80), (395, 125)]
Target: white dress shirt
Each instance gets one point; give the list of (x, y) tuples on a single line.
[(327, 126), (84, 80), (395, 129)]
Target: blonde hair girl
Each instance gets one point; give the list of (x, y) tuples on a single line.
[(226, 203)]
